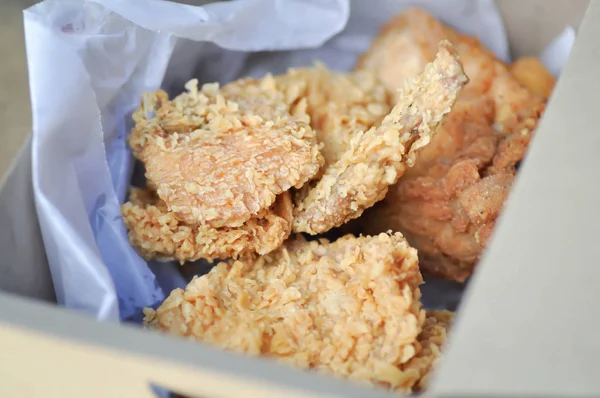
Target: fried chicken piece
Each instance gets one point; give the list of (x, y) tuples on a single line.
[(469, 165), (349, 308), (378, 157), (517, 114), (219, 162), (444, 203), (432, 340), (410, 40), (339, 105), (157, 234), (533, 75)]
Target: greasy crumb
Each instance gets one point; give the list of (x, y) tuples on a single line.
[(350, 308), (378, 157), (157, 234)]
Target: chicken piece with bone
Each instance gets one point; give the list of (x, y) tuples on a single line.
[(379, 156), (349, 308), (217, 156), (448, 203)]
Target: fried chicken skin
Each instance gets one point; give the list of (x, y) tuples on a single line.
[(220, 156), (340, 105), (431, 341), (157, 234), (410, 40), (533, 75), (437, 203), (378, 157), (448, 203), (349, 308)]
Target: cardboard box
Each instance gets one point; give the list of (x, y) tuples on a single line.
[(527, 324)]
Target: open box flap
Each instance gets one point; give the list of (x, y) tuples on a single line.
[(528, 323), (531, 24), (74, 356)]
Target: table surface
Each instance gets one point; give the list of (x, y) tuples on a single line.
[(15, 110)]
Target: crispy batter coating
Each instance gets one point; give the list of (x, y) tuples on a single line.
[(218, 157), (378, 157), (437, 203), (339, 105), (447, 204), (533, 75), (350, 308), (517, 113), (432, 340), (157, 234)]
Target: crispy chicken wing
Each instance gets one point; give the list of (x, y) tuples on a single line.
[(379, 156), (350, 308), (220, 156), (158, 234), (447, 204)]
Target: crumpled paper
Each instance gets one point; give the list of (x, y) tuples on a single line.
[(90, 61)]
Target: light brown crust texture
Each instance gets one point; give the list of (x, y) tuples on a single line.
[(533, 75), (157, 234), (448, 203), (431, 341), (350, 308), (378, 157), (220, 156), (340, 105)]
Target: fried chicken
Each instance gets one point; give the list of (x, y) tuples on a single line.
[(533, 75), (340, 105), (378, 157), (218, 162), (432, 340), (157, 234), (448, 203), (437, 202), (350, 308), (410, 40)]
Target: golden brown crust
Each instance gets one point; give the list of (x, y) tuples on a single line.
[(378, 157), (410, 40), (470, 165), (435, 202), (339, 105), (350, 308), (218, 157), (157, 234), (533, 75), (432, 340)]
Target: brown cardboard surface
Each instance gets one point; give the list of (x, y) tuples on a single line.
[(530, 319), (527, 325)]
